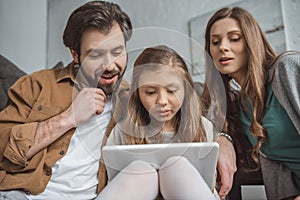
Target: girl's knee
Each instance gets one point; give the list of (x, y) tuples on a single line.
[(139, 166), (175, 161)]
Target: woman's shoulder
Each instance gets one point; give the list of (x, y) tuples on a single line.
[(289, 57), (287, 65), (285, 85)]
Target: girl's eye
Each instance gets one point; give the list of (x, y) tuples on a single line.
[(150, 92), (171, 91)]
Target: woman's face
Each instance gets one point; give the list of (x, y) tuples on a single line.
[(161, 93), (228, 48)]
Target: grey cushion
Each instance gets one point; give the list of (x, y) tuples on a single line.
[(9, 74)]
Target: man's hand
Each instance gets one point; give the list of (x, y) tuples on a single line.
[(89, 101), (226, 165)]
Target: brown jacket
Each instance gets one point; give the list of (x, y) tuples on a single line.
[(33, 99)]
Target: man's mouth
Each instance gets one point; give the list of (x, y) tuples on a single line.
[(108, 78)]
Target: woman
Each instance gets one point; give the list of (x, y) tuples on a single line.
[(262, 91), (163, 108)]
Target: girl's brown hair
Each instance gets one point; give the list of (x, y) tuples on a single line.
[(188, 124)]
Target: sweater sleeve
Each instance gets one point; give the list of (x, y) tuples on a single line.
[(16, 134), (286, 86)]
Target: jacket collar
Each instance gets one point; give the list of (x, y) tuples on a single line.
[(67, 72)]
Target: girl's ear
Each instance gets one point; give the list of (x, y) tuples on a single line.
[(74, 55)]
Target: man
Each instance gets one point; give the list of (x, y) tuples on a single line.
[(52, 129), (50, 142)]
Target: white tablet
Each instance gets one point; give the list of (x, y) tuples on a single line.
[(203, 155)]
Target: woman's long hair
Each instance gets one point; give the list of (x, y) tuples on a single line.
[(188, 124), (261, 57)]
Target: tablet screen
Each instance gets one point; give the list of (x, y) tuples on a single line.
[(203, 155)]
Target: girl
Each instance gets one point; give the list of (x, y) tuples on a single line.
[(163, 108), (262, 92)]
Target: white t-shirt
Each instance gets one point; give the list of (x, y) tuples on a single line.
[(115, 138), (75, 175)]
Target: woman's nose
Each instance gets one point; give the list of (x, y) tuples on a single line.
[(224, 46)]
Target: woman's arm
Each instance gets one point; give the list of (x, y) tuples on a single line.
[(286, 85)]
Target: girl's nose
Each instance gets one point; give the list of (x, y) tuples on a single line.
[(162, 99)]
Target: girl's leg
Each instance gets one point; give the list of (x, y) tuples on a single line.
[(139, 180), (179, 179)]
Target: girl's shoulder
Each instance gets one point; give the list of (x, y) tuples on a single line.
[(208, 126)]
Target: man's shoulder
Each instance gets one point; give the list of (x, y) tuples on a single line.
[(55, 74)]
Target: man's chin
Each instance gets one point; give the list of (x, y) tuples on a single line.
[(107, 89)]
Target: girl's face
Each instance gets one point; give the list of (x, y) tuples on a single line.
[(161, 93), (228, 48)]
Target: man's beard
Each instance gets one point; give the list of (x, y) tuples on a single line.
[(94, 81), (107, 88)]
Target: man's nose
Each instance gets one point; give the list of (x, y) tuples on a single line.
[(109, 63)]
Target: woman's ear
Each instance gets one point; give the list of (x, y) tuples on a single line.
[(74, 55)]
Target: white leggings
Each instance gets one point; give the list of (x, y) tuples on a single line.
[(177, 178)]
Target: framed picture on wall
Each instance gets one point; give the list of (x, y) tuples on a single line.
[(268, 13)]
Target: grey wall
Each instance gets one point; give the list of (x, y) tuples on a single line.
[(168, 20), (31, 30), (23, 33)]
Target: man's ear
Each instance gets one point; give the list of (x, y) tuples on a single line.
[(74, 55)]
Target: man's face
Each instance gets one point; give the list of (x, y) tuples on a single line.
[(103, 58)]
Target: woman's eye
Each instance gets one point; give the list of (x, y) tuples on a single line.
[(235, 38), (215, 43)]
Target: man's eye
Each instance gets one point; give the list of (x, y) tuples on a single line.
[(95, 55), (117, 52)]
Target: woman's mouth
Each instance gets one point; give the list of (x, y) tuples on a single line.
[(225, 60)]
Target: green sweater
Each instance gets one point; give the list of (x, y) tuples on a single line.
[(283, 142), (282, 115)]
